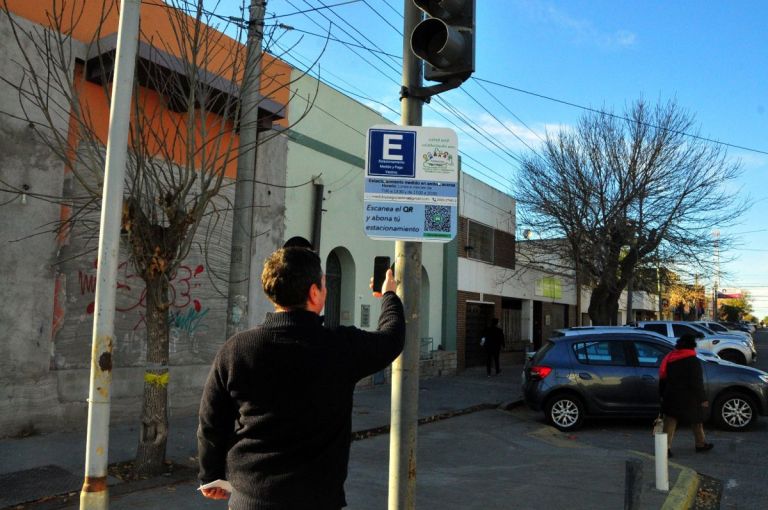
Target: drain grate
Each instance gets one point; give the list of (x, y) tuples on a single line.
[(33, 484)]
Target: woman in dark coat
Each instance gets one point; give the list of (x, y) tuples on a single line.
[(681, 385)]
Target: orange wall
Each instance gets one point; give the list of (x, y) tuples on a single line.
[(98, 18)]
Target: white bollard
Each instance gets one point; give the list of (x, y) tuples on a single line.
[(662, 469)]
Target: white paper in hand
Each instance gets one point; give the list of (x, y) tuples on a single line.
[(222, 484)]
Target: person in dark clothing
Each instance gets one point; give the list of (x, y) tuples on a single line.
[(681, 386), (276, 412), (494, 341)]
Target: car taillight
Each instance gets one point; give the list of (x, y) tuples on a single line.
[(540, 372)]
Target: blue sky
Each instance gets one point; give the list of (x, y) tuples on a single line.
[(710, 56)]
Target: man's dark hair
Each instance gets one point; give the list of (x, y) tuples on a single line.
[(289, 274)]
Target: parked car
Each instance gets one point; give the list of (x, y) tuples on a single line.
[(727, 347), (591, 372), (716, 327), (735, 326)]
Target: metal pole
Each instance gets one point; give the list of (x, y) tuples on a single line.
[(405, 369), (242, 216), (94, 495), (715, 314)]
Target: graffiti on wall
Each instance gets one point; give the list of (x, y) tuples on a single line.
[(186, 312)]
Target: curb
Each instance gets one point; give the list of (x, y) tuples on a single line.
[(384, 429), (185, 473), (683, 494), (180, 474)]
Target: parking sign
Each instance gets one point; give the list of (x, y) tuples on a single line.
[(411, 183)]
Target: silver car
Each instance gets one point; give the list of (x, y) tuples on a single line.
[(729, 348)]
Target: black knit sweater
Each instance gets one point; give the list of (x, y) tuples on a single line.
[(276, 412)]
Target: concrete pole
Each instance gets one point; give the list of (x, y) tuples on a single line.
[(242, 216), (94, 495), (405, 369)]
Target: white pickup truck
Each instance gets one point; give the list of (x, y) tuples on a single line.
[(727, 347)]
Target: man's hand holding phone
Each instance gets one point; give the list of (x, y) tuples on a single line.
[(389, 284)]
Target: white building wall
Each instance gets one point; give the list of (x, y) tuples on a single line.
[(339, 122)]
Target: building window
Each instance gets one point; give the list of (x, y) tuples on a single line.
[(479, 241)]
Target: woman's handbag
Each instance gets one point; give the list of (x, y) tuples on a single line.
[(658, 424)]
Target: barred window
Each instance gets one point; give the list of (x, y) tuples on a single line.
[(479, 241)]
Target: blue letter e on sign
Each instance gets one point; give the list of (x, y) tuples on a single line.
[(392, 153)]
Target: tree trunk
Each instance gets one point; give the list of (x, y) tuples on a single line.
[(153, 436), (604, 306)]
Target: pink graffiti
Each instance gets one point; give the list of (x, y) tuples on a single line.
[(181, 286)]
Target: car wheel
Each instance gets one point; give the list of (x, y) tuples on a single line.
[(735, 411), (565, 412), (733, 356)]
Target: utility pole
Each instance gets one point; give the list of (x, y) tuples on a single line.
[(445, 41), (94, 494), (716, 283), (405, 369), (242, 215)]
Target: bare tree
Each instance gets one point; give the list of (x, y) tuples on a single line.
[(185, 119), (621, 191)]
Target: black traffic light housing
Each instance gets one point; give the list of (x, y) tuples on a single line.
[(445, 40)]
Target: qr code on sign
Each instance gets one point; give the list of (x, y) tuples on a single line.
[(437, 218)]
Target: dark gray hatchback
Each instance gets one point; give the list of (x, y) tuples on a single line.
[(586, 372)]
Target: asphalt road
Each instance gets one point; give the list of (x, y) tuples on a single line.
[(739, 460)]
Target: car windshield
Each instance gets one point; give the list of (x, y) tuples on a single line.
[(703, 328)]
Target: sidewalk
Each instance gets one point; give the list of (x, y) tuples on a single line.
[(486, 459)]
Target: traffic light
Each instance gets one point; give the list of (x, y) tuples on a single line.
[(445, 40)]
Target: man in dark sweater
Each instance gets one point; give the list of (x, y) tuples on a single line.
[(276, 412)]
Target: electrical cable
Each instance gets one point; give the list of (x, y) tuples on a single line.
[(620, 117)]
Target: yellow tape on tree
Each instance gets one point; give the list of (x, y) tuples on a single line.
[(159, 380)]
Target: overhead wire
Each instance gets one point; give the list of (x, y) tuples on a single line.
[(394, 81), (616, 116), (244, 22), (462, 117)]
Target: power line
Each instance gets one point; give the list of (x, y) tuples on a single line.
[(442, 101), (274, 16), (334, 39), (620, 117)]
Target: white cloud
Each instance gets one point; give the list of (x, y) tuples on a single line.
[(581, 30)]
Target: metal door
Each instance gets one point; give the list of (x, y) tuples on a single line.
[(478, 317)]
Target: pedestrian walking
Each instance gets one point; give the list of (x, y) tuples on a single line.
[(493, 341), (681, 386), (276, 412)]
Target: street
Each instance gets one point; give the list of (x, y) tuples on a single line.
[(738, 459), (487, 459)]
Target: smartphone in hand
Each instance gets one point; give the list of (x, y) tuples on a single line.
[(380, 266)]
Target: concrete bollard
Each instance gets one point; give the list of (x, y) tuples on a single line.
[(662, 469)]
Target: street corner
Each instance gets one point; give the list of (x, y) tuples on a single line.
[(682, 495)]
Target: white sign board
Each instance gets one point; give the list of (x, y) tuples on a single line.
[(411, 183)]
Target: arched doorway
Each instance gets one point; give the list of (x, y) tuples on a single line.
[(340, 282)]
